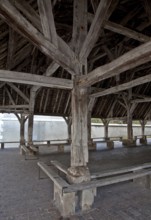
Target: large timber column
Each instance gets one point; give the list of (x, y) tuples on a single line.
[(89, 129), (79, 172), (90, 108)]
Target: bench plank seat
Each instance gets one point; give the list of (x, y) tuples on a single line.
[(120, 171), (106, 181), (59, 166), (50, 172)]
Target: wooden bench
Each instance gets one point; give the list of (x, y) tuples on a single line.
[(65, 194), (28, 152), (142, 139), (50, 143), (109, 141), (7, 142)]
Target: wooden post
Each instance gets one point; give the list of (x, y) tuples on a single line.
[(22, 130), (69, 129), (143, 140), (106, 128), (91, 104), (79, 172), (90, 144), (30, 129), (68, 121), (129, 125), (143, 123), (31, 115)]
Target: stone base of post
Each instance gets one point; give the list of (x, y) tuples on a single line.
[(74, 202), (78, 174)]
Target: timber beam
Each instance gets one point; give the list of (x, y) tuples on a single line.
[(129, 60), (124, 86), (141, 100), (32, 79)]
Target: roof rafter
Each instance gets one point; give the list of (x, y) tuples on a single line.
[(97, 23), (47, 21), (15, 19)]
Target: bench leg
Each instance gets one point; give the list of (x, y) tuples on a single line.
[(70, 203), (91, 145), (144, 181), (2, 146), (22, 152), (65, 202), (148, 182), (60, 148), (110, 145), (87, 199)]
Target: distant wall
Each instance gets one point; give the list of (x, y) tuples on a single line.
[(116, 130), (45, 130)]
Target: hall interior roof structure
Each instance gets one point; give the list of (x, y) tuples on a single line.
[(117, 47)]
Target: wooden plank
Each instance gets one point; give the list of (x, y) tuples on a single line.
[(14, 106), (141, 100), (106, 181), (95, 28), (124, 86), (33, 148), (25, 149), (47, 21), (117, 28), (14, 18), (52, 175), (15, 88), (127, 61), (59, 166), (120, 171), (31, 79)]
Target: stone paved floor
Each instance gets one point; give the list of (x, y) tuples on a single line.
[(24, 197)]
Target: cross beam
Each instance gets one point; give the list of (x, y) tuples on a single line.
[(124, 86), (32, 79), (129, 60)]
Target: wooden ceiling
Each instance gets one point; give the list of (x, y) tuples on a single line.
[(38, 59)]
